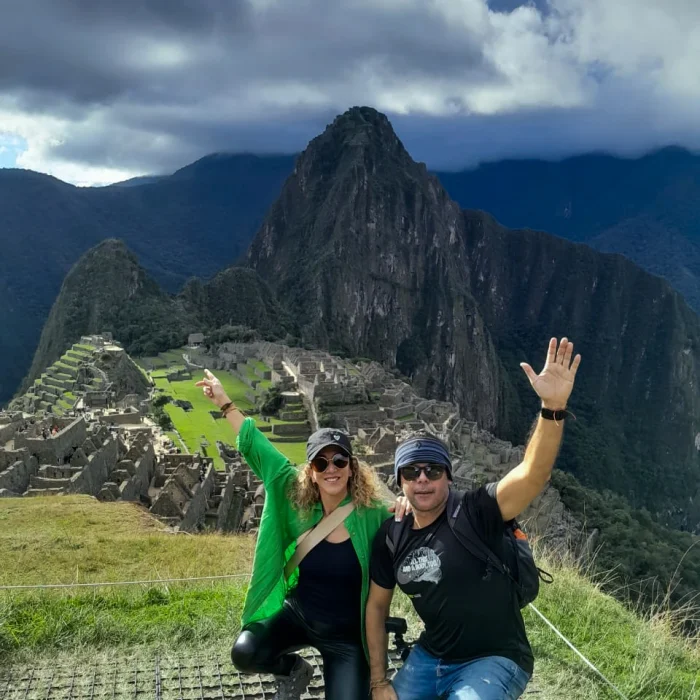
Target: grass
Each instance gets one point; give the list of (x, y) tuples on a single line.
[(76, 539), (194, 424), (197, 425), (49, 539)]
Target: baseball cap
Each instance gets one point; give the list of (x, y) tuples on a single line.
[(325, 437)]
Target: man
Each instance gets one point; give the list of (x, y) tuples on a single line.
[(474, 646)]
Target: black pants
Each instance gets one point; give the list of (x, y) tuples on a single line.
[(266, 646)]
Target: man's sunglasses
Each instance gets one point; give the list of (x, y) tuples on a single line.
[(320, 463), (412, 471)]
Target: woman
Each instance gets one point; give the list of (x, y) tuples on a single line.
[(322, 602)]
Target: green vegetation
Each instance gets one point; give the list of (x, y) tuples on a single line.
[(270, 402), (198, 428), (75, 538), (654, 563)]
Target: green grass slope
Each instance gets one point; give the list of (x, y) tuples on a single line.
[(69, 539)]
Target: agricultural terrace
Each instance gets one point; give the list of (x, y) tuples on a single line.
[(197, 429)]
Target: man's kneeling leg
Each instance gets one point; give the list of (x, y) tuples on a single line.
[(417, 678)]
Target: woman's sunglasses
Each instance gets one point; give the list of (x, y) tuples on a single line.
[(411, 472), (320, 463)]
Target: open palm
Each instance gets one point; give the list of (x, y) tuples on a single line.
[(556, 381)]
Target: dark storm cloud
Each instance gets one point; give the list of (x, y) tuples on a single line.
[(148, 85)]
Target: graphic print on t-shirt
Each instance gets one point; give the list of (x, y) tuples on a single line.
[(422, 564)]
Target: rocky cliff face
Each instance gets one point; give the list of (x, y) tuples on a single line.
[(373, 258), (647, 209), (636, 397), (365, 248)]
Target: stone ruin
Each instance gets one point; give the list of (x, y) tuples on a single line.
[(118, 457), (95, 373), (119, 454), (378, 410)]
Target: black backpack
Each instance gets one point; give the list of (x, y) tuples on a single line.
[(519, 563)]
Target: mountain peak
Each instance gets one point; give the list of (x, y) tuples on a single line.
[(362, 119), (360, 134)]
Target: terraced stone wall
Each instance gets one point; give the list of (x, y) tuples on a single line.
[(97, 470), (55, 449)]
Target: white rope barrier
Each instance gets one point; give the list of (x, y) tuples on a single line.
[(121, 583), (580, 655)]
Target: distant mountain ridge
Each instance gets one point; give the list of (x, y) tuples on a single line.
[(192, 223), (647, 209), (203, 217)]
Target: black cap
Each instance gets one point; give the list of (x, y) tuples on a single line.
[(325, 437)]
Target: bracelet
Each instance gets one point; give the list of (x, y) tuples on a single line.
[(379, 684), (230, 406)]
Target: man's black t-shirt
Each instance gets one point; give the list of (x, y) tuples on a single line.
[(466, 616)]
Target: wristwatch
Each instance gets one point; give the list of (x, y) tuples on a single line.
[(549, 414)]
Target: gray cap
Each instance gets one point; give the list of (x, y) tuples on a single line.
[(325, 437)]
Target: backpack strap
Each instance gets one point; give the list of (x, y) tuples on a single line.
[(467, 536), (395, 533)]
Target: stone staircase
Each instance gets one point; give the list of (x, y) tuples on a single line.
[(51, 480)]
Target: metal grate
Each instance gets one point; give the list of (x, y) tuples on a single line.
[(161, 679)]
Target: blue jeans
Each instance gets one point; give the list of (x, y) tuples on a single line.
[(424, 677)]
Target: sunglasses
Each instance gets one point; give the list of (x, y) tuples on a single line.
[(413, 471), (320, 463)]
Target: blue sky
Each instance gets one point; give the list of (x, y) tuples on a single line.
[(10, 147), (102, 90)]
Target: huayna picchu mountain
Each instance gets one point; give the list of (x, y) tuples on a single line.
[(362, 246), (373, 258), (107, 290)]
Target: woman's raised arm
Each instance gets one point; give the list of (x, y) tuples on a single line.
[(260, 454)]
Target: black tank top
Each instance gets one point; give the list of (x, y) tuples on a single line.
[(330, 584)]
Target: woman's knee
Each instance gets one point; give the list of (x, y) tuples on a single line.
[(245, 652)]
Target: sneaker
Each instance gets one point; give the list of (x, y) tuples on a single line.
[(292, 686)]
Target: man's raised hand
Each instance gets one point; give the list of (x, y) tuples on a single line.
[(556, 381)]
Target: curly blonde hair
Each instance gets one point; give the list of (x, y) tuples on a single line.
[(363, 486)]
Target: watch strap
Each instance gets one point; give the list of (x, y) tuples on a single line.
[(549, 414)]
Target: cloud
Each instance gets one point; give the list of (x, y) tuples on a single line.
[(102, 91)]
